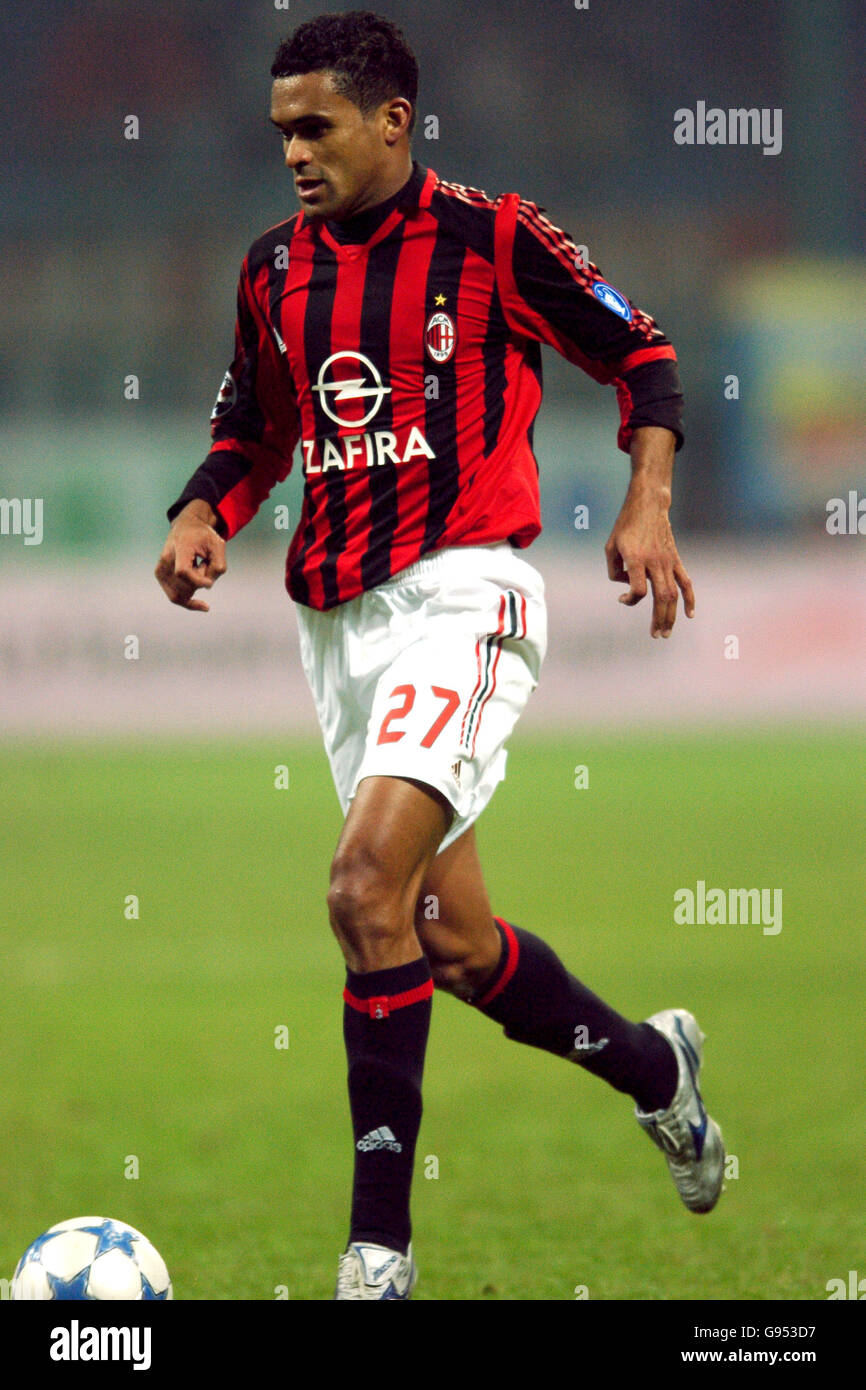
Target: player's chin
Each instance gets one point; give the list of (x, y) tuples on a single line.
[(317, 200)]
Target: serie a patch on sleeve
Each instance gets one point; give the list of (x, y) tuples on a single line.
[(612, 299), (226, 397)]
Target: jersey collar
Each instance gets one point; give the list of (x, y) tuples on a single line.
[(419, 190)]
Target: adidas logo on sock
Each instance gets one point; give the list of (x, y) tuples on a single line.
[(382, 1138)]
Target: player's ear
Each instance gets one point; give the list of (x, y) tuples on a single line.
[(398, 119)]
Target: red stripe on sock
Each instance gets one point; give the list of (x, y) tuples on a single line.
[(513, 956), (381, 1005)]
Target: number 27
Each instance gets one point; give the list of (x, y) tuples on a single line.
[(401, 711)]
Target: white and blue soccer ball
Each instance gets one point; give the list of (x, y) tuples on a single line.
[(91, 1257)]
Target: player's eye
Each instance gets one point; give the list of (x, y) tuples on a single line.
[(305, 132)]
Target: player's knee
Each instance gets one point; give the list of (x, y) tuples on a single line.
[(363, 906)]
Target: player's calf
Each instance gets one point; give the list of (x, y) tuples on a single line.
[(538, 1002), (460, 961), (391, 833)]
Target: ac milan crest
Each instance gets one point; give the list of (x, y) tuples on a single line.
[(440, 337)]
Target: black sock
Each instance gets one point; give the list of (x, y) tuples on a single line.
[(538, 1002), (386, 1019)]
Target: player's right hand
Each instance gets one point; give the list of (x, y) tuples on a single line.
[(193, 557)]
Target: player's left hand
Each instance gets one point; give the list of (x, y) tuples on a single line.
[(641, 551)]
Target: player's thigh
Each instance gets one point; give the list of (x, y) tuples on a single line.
[(446, 706), (388, 842), (453, 917)]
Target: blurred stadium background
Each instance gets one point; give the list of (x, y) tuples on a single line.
[(121, 259)]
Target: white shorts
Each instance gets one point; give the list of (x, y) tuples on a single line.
[(425, 676)]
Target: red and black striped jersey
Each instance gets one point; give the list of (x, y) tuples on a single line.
[(402, 351)]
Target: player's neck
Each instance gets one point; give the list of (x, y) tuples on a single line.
[(389, 188), (360, 226)]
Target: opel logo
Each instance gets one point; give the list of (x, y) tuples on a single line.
[(350, 389)]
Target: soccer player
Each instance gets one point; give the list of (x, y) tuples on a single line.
[(392, 328)]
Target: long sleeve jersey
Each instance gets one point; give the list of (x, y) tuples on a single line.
[(402, 351)]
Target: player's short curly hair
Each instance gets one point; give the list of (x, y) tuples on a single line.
[(367, 54)]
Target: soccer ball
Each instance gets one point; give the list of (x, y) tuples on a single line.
[(91, 1257)]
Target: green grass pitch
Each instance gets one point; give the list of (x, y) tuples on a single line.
[(148, 1044)]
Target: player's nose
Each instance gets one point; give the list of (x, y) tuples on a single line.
[(296, 154)]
